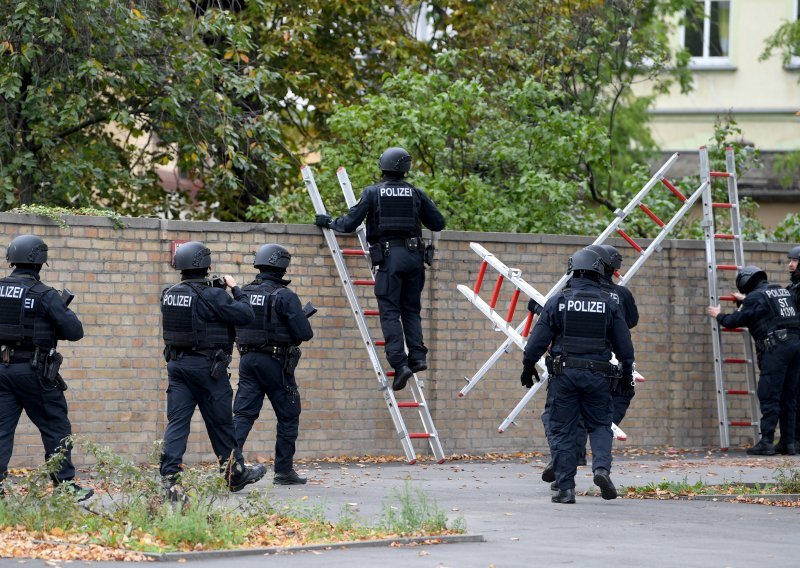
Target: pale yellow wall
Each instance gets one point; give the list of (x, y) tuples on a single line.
[(763, 96)]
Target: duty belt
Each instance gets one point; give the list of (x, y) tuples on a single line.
[(15, 355), (411, 243), (775, 337), (275, 350), (189, 351), (589, 364)]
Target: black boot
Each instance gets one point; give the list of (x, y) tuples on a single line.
[(78, 493), (549, 472), (288, 478), (564, 496), (763, 448), (786, 450), (248, 476), (603, 480), (401, 376), (418, 366), (554, 486)]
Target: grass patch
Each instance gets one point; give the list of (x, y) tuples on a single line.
[(131, 512)]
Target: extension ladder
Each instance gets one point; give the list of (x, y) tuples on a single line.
[(643, 254), (415, 385), (745, 362)]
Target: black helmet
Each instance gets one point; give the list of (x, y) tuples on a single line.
[(604, 256), (272, 256), (794, 253), (27, 249), (748, 278), (395, 160), (585, 261), (191, 256), (616, 257)]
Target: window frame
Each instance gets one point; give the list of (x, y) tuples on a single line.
[(705, 61)]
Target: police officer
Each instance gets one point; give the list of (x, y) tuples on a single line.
[(770, 314), (395, 211), (270, 354), (794, 288), (198, 319), (583, 325), (33, 317)]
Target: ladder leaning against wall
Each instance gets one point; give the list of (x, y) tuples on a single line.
[(349, 283), (740, 381)]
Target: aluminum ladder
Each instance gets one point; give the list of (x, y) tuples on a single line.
[(349, 283), (745, 362), (643, 252)]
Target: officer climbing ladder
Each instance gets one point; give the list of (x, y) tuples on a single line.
[(644, 253), (349, 283), (745, 361)]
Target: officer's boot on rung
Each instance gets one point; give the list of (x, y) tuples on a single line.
[(566, 496), (417, 366), (248, 476), (401, 376), (602, 479), (763, 448)]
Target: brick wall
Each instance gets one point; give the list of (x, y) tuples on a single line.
[(117, 376)]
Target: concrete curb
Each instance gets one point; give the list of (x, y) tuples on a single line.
[(232, 553)]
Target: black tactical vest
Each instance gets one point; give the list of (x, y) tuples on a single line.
[(398, 208), (266, 329), (584, 318), (23, 324), (782, 312), (182, 326)]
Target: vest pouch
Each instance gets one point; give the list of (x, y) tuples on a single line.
[(376, 254)]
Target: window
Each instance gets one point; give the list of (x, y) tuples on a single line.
[(707, 36)]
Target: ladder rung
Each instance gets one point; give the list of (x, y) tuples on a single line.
[(724, 236), (722, 205), (727, 267), (738, 392), (733, 329), (674, 190), (364, 282), (371, 313), (408, 405), (353, 252), (741, 423), (727, 298), (720, 174), (734, 360), (379, 342), (652, 215), (481, 274), (631, 242), (419, 435)]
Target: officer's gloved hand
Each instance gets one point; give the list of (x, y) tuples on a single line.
[(323, 220), (533, 306), (528, 373), (627, 385)]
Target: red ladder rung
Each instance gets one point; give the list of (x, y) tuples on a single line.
[(650, 214), (353, 252), (733, 329), (724, 236), (363, 282), (727, 298), (528, 322), (738, 392), (408, 405), (415, 435), (674, 190), (379, 342), (722, 205), (479, 280), (371, 313), (740, 423), (512, 306), (734, 360), (727, 267), (496, 293), (720, 174), (631, 242)]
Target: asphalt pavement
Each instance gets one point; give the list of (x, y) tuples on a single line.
[(504, 501)]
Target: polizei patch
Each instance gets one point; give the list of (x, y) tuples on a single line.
[(777, 293), (396, 192), (590, 306), (11, 291), (178, 301)]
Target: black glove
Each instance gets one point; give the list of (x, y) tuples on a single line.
[(430, 250), (627, 386), (528, 373), (533, 306), (323, 220)]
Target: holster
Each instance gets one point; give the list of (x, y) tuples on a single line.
[(291, 360), (219, 365), (49, 368), (376, 254), (430, 252)]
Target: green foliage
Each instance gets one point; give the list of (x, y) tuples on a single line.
[(787, 478), (57, 213), (785, 40), (788, 230), (409, 512)]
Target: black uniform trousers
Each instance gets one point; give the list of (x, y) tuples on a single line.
[(398, 289), (777, 389), (580, 429), (619, 408), (261, 374), (586, 394), (191, 385), (45, 405)]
